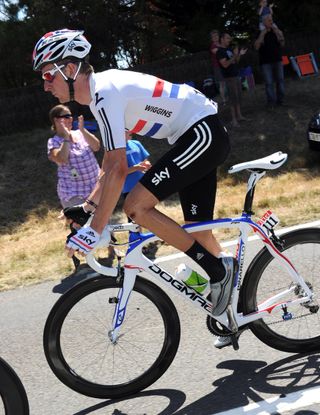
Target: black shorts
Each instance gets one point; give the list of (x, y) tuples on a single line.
[(190, 169)]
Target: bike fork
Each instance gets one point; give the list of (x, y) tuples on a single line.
[(121, 304)]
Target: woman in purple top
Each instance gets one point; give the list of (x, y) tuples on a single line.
[(72, 151)]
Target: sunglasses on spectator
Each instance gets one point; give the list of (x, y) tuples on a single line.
[(50, 75), (67, 116)]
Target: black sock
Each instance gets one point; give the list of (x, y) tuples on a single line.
[(212, 265)]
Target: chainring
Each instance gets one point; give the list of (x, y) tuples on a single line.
[(216, 328)]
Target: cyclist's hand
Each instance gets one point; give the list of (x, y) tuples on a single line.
[(77, 214), (83, 241)]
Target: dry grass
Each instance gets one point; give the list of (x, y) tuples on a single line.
[(27, 254), (29, 257), (29, 206)]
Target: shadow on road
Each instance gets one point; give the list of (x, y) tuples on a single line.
[(176, 399), (84, 272), (250, 378), (247, 382)]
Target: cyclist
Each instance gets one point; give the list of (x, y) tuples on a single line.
[(143, 104)]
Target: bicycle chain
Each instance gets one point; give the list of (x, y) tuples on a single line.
[(293, 318), (212, 325)]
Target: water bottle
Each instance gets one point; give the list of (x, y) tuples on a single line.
[(193, 280)]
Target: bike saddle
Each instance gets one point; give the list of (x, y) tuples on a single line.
[(271, 162)]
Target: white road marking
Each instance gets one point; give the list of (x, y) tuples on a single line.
[(292, 401)]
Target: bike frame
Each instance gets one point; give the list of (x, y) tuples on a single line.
[(135, 262)]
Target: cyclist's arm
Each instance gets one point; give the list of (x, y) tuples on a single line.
[(108, 190), (108, 108)]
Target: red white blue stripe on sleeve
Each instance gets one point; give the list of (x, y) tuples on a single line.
[(159, 90)]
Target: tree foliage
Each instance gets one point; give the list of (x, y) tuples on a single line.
[(130, 32)]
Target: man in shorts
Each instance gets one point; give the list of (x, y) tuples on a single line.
[(145, 105)]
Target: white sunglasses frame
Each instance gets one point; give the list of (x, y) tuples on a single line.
[(53, 71), (58, 69)]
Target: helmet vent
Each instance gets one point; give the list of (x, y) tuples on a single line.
[(56, 53), (56, 43)]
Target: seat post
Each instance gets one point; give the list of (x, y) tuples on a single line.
[(254, 177)]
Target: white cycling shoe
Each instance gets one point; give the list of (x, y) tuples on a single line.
[(224, 341), (221, 291)]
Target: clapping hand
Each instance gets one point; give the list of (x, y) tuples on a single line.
[(64, 131), (143, 166), (81, 123), (146, 165), (243, 51)]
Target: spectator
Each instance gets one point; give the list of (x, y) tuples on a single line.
[(137, 164), (228, 60), (269, 44), (218, 77), (72, 151), (263, 10)]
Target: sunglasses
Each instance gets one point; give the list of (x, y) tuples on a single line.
[(67, 116), (50, 75)]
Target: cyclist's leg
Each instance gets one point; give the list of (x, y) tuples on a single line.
[(140, 206), (208, 241), (197, 202), (196, 154)]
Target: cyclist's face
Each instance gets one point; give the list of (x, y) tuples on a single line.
[(57, 86)]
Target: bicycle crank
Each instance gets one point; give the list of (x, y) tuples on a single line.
[(233, 327)]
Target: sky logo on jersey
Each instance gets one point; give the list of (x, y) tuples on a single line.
[(158, 177), (159, 90)]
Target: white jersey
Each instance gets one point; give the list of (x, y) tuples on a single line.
[(144, 105)]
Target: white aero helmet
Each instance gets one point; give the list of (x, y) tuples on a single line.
[(58, 45)]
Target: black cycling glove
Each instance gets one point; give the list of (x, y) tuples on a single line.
[(77, 214)]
